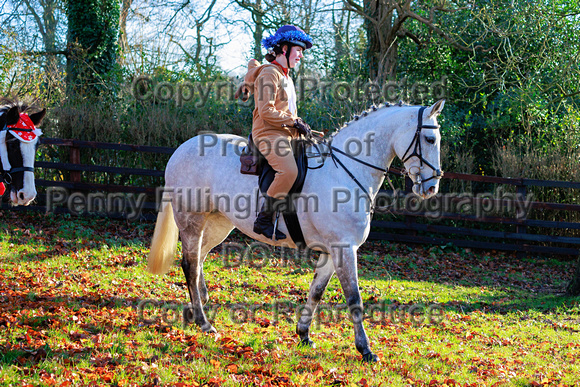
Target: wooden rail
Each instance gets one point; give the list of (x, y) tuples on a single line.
[(463, 229)]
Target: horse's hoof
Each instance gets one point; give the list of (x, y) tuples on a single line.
[(306, 343), (370, 358), (208, 329)]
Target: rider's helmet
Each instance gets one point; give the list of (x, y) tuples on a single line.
[(286, 35)]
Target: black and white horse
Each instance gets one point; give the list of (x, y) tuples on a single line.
[(18, 142)]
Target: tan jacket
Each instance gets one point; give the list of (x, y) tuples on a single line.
[(271, 113)]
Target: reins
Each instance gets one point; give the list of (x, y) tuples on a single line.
[(417, 152), (336, 160)]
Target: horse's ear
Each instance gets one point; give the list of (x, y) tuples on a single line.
[(436, 109), (36, 118), (12, 116)]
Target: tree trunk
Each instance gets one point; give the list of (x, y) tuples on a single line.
[(382, 35), (339, 51), (384, 24), (123, 42), (373, 49), (258, 32), (387, 68), (265, 15), (47, 26), (49, 37)]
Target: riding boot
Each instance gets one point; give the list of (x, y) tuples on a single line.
[(263, 224)]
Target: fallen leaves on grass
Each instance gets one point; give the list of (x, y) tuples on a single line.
[(68, 314)]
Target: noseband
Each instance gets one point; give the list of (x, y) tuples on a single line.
[(417, 151), (7, 175)]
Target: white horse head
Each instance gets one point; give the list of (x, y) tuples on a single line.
[(422, 156), (18, 143), (409, 132)]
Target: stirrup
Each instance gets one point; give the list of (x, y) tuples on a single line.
[(263, 226), (279, 235)]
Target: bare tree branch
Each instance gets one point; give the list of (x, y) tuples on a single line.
[(37, 18), (385, 22), (185, 4)]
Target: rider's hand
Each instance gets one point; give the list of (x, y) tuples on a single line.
[(302, 127)]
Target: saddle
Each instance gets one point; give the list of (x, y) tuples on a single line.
[(254, 163)]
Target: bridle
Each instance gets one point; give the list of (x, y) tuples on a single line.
[(417, 152), (7, 174)]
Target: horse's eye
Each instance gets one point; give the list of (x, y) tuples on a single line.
[(430, 139)]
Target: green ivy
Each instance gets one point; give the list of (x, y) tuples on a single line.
[(93, 28)]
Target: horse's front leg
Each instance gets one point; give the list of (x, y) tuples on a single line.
[(345, 264), (322, 275)]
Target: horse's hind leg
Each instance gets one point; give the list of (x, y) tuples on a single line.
[(216, 229), (191, 231), (322, 276), (199, 234)]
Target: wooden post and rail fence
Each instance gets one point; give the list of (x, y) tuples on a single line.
[(460, 228)]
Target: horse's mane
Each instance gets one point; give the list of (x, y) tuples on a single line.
[(364, 113)]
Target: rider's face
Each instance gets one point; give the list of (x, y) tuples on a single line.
[(295, 56)]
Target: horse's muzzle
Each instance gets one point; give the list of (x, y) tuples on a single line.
[(22, 197)]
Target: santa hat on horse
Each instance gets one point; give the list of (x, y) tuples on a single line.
[(25, 131)]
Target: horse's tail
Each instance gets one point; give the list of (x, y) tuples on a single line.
[(164, 241)]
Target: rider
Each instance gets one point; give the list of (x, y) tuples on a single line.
[(275, 120)]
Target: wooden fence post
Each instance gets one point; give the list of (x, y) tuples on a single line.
[(521, 193), (75, 159)]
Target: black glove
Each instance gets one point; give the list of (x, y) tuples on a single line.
[(303, 127)]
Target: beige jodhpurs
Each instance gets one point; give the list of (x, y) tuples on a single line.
[(277, 150)]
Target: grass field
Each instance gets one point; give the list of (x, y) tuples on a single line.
[(77, 307)]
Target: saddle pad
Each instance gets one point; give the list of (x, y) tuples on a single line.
[(290, 216)]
